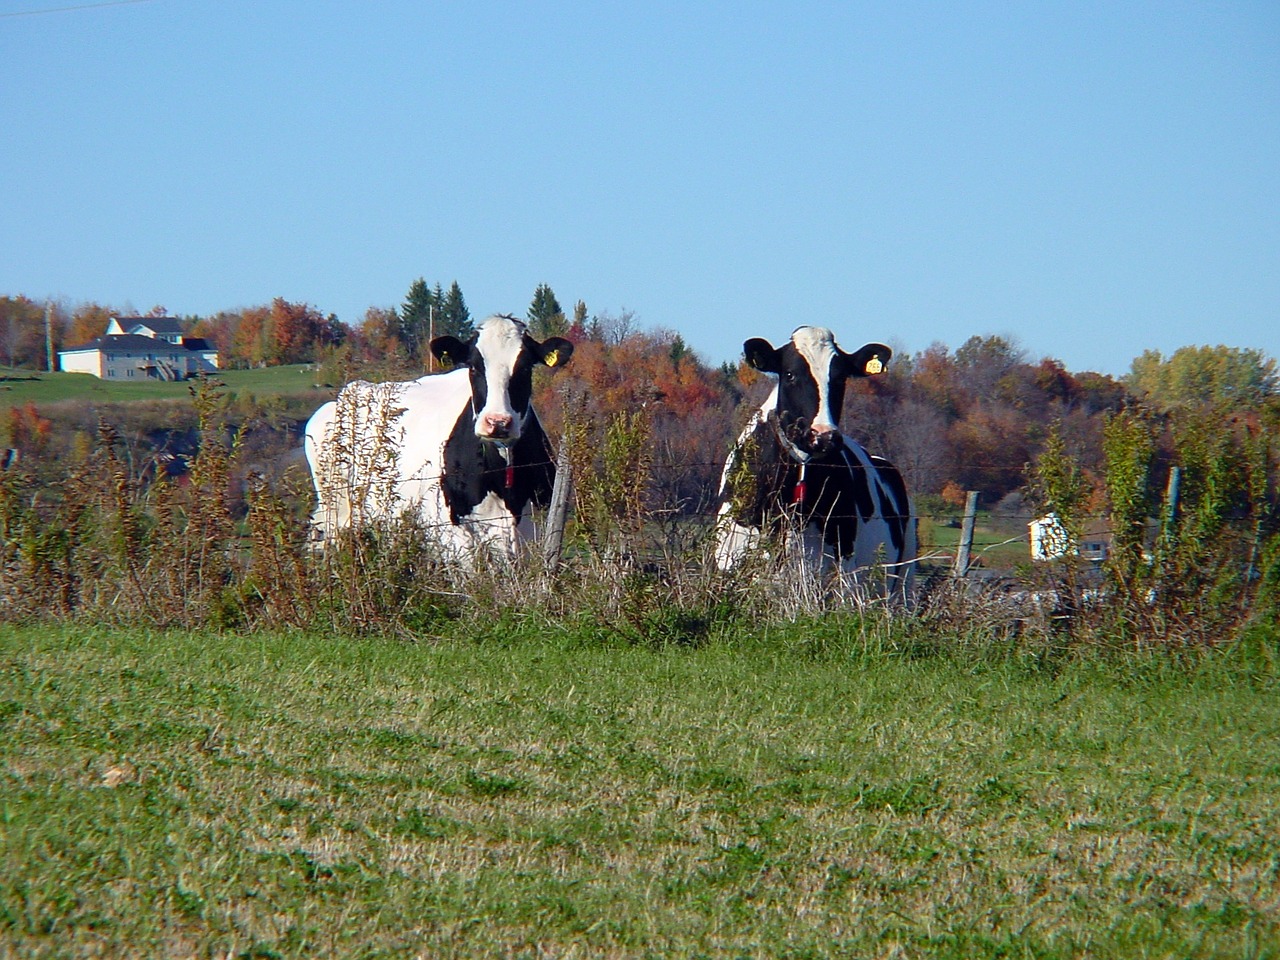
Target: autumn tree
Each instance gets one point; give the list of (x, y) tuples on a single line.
[(291, 332), (371, 351), (22, 335), (884, 414), (991, 447), (377, 333), (577, 331), (936, 380), (1041, 390), (1099, 392), (687, 409), (88, 322), (26, 431), (1223, 375), (984, 365), (251, 342), (295, 331), (220, 330)]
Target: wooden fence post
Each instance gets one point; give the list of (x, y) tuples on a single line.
[(1170, 517), (558, 508), (965, 547)]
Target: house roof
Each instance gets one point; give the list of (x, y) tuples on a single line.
[(166, 325), (137, 343)]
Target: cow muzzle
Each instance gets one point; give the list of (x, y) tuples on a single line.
[(822, 439), (497, 426)]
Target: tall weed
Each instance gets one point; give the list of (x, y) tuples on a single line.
[(123, 537)]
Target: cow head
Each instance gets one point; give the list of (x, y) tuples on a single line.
[(501, 357), (811, 372)]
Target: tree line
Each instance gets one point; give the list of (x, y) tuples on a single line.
[(281, 332), (968, 419)]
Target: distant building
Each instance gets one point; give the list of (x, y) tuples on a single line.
[(1049, 538), (141, 348), (1050, 541)]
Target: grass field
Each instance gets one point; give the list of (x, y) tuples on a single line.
[(20, 387), (992, 548), (806, 792)]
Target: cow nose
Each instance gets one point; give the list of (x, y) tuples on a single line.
[(821, 436), (495, 425)]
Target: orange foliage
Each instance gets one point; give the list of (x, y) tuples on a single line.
[(88, 323), (28, 431), (250, 340), (283, 332), (953, 494), (689, 409), (636, 373), (991, 448), (935, 377)]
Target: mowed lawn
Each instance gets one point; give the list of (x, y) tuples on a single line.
[(19, 387), (802, 792)]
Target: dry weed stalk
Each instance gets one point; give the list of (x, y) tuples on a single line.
[(359, 458), (277, 575)]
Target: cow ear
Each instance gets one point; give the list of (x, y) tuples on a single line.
[(867, 361), (555, 351), (761, 355), (451, 350)]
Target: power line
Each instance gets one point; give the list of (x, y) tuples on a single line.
[(78, 6)]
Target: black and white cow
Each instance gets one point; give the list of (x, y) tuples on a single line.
[(792, 460), (463, 449)]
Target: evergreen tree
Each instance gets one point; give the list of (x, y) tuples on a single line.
[(546, 318), (679, 350), (420, 306), (454, 317)]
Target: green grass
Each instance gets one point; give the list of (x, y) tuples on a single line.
[(801, 793), (20, 387), (994, 548)]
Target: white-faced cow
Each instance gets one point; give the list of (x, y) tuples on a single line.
[(463, 449), (792, 464)]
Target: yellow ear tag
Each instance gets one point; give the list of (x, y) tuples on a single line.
[(552, 358), (874, 366)]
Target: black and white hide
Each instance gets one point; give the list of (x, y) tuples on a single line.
[(463, 449), (792, 467)]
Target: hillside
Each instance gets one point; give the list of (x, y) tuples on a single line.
[(19, 387)]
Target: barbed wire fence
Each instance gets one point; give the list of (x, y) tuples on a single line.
[(695, 516)]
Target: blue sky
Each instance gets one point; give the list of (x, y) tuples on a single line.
[(1090, 179)]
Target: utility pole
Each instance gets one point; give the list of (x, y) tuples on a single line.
[(48, 335)]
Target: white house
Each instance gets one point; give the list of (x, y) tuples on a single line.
[(141, 348), (1050, 541)]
